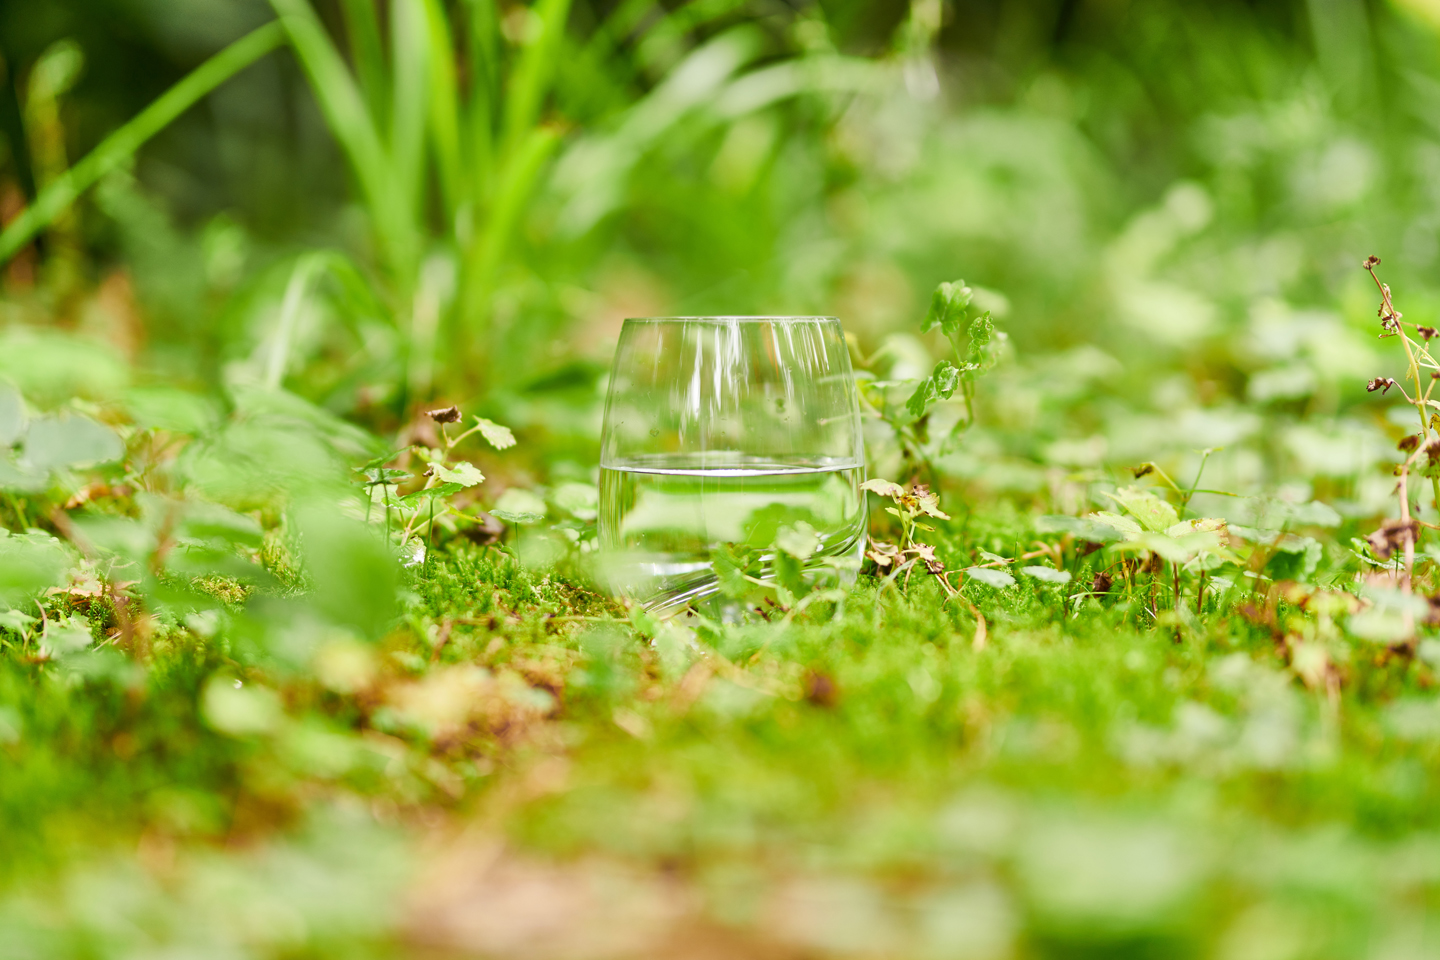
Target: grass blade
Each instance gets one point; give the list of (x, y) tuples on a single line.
[(121, 145), (295, 290), (483, 49), (409, 47), (487, 253), (362, 26), (445, 117), (532, 76), (352, 125)]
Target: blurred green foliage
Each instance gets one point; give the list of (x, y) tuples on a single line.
[(296, 660)]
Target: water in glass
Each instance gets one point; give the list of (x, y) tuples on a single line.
[(719, 430)]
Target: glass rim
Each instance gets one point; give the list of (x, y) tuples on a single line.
[(736, 318)]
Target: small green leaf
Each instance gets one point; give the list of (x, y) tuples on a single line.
[(921, 399), (1153, 513), (991, 577), (982, 353), (731, 563), (464, 473), (1127, 528), (799, 541), (17, 620), (927, 502), (1320, 514), (211, 521), (519, 506), (240, 710), (432, 493), (381, 461), (29, 563), (67, 440), (1084, 528), (66, 636), (12, 415), (375, 476), (168, 408), (1194, 526), (945, 377), (580, 500), (20, 476), (885, 488), (947, 308), (353, 570), (500, 437), (1047, 574)]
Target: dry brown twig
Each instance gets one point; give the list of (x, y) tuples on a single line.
[(1402, 534)]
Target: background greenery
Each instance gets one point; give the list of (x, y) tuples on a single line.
[(246, 710)]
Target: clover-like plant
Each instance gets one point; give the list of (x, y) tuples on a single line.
[(444, 476), (909, 507), (976, 344)]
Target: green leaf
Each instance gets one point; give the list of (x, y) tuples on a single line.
[(531, 78), (67, 636), (519, 506), (799, 541), (581, 500), (382, 460), (1315, 514), (946, 377), (446, 115), (117, 536), (499, 437), (885, 488), (431, 493), (991, 577), (55, 443), (464, 473), (354, 573), (211, 521), (12, 415), (1047, 574), (1083, 528), (921, 399), (367, 52), (21, 477), (51, 367), (17, 620), (29, 563), (1185, 527), (1153, 513), (375, 476), (789, 577), (1127, 528), (731, 563), (167, 408), (927, 502), (240, 710), (947, 308)]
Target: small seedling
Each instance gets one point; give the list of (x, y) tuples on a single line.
[(976, 344), (444, 476)]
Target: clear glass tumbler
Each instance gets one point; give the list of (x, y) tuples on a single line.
[(718, 431)]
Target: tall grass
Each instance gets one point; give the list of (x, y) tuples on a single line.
[(121, 146), (451, 133)]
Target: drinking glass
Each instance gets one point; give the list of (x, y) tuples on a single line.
[(718, 432)]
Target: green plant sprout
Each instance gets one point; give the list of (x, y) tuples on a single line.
[(976, 344), (444, 476)]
